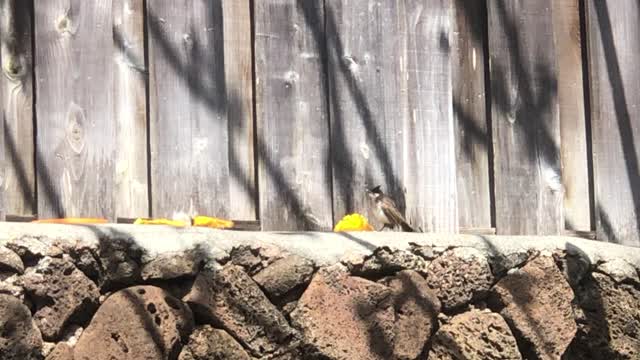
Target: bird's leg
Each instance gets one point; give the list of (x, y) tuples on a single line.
[(383, 227)]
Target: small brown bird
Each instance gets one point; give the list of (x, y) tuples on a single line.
[(386, 211)]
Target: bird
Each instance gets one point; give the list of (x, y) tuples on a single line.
[(386, 210)]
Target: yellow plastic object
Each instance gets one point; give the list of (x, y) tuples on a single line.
[(212, 222), (353, 222), (79, 221), (175, 223)]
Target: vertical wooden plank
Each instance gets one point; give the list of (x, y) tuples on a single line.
[(469, 112), (238, 64), (2, 170), (130, 109), (613, 49), (291, 108), (367, 118), (75, 150), (574, 153), (391, 114), (17, 105), (525, 122), (188, 108), (430, 162)]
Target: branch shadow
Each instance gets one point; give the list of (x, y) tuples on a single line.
[(198, 90), (592, 340), (342, 161), (533, 97), (621, 107), (17, 67), (12, 159), (382, 339), (349, 236), (499, 86)]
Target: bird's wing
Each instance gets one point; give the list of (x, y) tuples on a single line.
[(395, 217), (391, 211)]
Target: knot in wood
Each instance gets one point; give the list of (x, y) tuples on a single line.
[(290, 78), (351, 63), (75, 132), (63, 24), (188, 40), (14, 67)]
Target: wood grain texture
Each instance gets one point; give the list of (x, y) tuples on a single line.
[(238, 64), (189, 137), (75, 118), (613, 48), (469, 112), (366, 92), (430, 162), (130, 101), (291, 109), (3, 171), (391, 112), (525, 121), (17, 104), (574, 152)]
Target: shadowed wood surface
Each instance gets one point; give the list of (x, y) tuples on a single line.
[(276, 111), (132, 198), (613, 28), (76, 149), (291, 109), (390, 97), (429, 147), (189, 133), (367, 117), (469, 113), (3, 171), (574, 153), (238, 64), (525, 121), (19, 180)]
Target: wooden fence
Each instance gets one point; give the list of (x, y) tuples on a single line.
[(514, 115)]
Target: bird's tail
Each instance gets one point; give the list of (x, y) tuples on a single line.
[(406, 227)]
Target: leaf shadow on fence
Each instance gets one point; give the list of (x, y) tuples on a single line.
[(530, 103), (534, 103), (273, 171), (622, 115), (44, 181), (329, 38), (18, 69), (499, 86), (12, 160)]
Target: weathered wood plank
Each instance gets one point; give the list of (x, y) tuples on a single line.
[(17, 104), (574, 152), (367, 117), (130, 99), (525, 122), (391, 112), (2, 171), (613, 48), (188, 108), (75, 150), (430, 162), (238, 64), (469, 112), (291, 109)]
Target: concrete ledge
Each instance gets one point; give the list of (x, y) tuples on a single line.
[(133, 291), (324, 248)]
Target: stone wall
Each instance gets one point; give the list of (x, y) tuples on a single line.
[(146, 292)]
